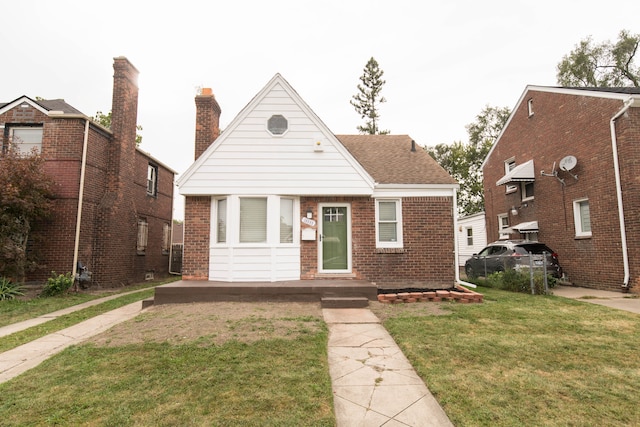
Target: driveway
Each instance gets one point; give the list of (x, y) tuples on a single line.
[(627, 302)]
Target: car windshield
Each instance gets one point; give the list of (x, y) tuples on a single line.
[(534, 248)]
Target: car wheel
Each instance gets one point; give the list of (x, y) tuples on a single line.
[(469, 271)]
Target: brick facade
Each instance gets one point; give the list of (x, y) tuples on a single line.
[(561, 125), (426, 259), (114, 194)]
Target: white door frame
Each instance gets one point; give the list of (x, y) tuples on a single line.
[(321, 207)]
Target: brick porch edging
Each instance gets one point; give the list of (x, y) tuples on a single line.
[(460, 294)]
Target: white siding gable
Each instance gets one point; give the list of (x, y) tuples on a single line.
[(475, 223), (247, 159)]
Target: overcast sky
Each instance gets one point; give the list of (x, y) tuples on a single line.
[(443, 61)]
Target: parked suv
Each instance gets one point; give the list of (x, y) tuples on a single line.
[(512, 254)]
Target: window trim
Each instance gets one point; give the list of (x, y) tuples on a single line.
[(509, 165), (12, 129), (286, 129), (166, 238), (530, 107), (523, 186), (469, 242), (399, 243), (500, 227), (577, 219), (152, 180)]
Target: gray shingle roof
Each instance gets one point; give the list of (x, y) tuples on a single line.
[(389, 160), (50, 105)]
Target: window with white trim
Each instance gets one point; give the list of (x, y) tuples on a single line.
[(388, 223), (143, 234), (253, 220), (503, 223), (509, 165), (526, 190), (582, 218), (469, 236), (530, 107), (152, 180), (277, 124), (286, 220), (221, 221), (26, 139)]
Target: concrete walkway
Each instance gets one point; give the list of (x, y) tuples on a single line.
[(627, 302), (20, 359), (373, 382)]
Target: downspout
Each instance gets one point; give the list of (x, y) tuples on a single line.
[(455, 242), (616, 169), (80, 197)]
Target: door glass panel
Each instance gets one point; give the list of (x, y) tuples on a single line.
[(334, 238)]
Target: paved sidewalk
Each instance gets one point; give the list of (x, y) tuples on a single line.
[(373, 382), (20, 359), (627, 302)]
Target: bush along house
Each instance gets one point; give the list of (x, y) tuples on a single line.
[(113, 202), (564, 171), (278, 197)]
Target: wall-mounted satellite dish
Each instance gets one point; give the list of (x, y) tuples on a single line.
[(567, 163)]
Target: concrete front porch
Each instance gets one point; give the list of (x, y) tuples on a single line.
[(186, 291)]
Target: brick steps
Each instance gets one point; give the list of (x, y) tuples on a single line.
[(458, 294)]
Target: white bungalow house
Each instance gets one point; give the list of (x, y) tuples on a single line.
[(278, 197)]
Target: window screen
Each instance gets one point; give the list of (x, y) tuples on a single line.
[(253, 220)]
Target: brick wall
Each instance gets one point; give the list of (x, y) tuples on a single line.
[(567, 125), (197, 213), (427, 258)]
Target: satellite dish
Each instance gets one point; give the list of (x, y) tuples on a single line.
[(567, 163)]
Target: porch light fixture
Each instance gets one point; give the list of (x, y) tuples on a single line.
[(514, 211), (309, 213)]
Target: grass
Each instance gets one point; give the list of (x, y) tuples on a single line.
[(526, 360), (276, 381)]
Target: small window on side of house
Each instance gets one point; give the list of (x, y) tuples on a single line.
[(152, 180), (388, 223), (526, 189), (221, 221), (26, 140), (503, 224), (582, 218), (509, 165), (143, 235), (166, 238), (469, 236), (530, 107)]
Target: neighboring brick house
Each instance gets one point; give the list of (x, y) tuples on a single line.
[(277, 197), (565, 171), (122, 195)]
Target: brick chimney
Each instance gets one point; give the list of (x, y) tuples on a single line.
[(207, 120), (124, 116)]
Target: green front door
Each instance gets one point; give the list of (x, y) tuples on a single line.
[(334, 238)]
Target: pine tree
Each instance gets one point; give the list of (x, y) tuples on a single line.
[(367, 100)]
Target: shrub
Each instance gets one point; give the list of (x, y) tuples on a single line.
[(57, 285), (520, 281), (9, 290)]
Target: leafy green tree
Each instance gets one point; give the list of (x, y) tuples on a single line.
[(602, 64), (105, 120), (464, 161), (368, 99), (25, 198)]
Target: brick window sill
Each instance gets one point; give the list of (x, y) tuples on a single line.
[(391, 250)]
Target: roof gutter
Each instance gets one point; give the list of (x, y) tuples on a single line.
[(630, 102)]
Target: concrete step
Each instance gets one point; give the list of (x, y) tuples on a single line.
[(147, 303), (344, 302)]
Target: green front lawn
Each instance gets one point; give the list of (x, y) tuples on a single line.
[(522, 360)]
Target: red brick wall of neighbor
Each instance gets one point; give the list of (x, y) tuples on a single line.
[(570, 125), (427, 258), (114, 195), (197, 223)]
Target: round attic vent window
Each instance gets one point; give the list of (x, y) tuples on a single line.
[(277, 124)]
